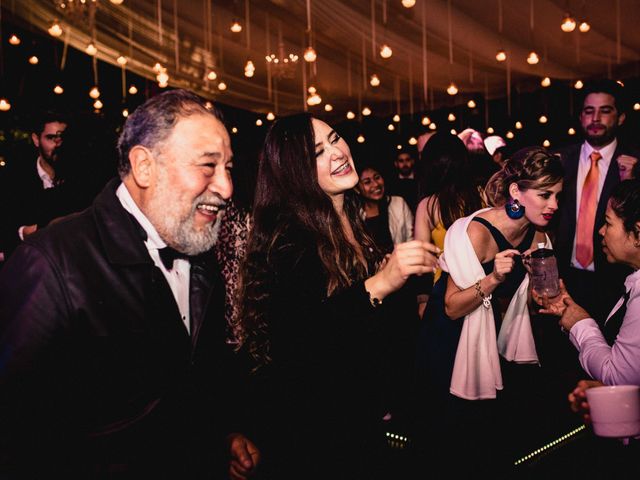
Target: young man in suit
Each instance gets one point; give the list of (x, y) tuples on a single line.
[(112, 338), (592, 169)]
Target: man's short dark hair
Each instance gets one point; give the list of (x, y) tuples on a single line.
[(153, 121), (610, 87), (48, 116)]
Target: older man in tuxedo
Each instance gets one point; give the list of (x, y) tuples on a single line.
[(592, 169), (113, 362)]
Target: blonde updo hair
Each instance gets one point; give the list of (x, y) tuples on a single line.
[(530, 167)]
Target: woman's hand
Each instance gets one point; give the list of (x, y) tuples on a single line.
[(409, 258), (554, 305), (572, 314), (503, 264), (578, 398)]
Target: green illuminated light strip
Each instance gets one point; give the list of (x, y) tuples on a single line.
[(549, 445)]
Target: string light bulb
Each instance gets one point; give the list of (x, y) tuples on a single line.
[(58, 90), (396, 118), (432, 126), (310, 55), (249, 69), (453, 131), (545, 82), (391, 127), (584, 26), (94, 93), (636, 106), (543, 119), (568, 23), (121, 60), (451, 117), (533, 58), (98, 104), (546, 144), (571, 131), (259, 122), (490, 130), (519, 125), (509, 135), (360, 138), (235, 26), (14, 40), (375, 80), (350, 115), (471, 104), (91, 49), (413, 141), (222, 86), (212, 75), (452, 89), (578, 84), (385, 51), (5, 106), (366, 111), (55, 30), (125, 112), (133, 89), (501, 55), (33, 60), (328, 107), (408, 3), (271, 117), (116, 2), (162, 77)]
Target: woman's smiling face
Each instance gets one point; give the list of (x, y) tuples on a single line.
[(336, 172)]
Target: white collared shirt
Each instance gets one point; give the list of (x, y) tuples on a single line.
[(178, 276), (584, 164), (47, 181)]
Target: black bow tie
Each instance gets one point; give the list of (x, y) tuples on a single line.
[(168, 255)]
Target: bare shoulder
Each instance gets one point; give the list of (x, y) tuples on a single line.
[(481, 240)]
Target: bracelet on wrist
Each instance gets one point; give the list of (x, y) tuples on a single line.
[(486, 299)]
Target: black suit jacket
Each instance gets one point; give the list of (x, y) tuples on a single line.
[(98, 373)]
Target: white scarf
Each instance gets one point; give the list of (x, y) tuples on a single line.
[(476, 371)]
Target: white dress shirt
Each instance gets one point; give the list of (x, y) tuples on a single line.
[(178, 276), (584, 164), (619, 364)]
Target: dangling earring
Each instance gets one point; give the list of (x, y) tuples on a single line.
[(514, 209)]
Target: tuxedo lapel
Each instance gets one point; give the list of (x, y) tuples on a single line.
[(203, 280)]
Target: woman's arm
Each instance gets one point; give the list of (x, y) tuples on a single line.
[(424, 225)]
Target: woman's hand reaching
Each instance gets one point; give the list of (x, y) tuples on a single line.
[(503, 264)]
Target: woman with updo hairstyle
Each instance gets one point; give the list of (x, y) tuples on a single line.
[(482, 354)]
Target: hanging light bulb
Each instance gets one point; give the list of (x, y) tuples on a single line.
[(91, 49), (314, 99), (249, 69), (374, 81), (620, 82), (546, 144), (533, 58), (471, 104), (94, 93), (519, 125), (399, 147), (116, 2), (133, 89), (571, 131), (33, 60), (234, 130), (578, 84), (452, 89), (543, 119), (310, 55), (385, 51), (271, 117), (584, 26), (208, 105), (328, 107), (408, 3), (453, 131), (391, 127), (490, 130), (311, 89), (366, 111), (451, 117), (350, 115), (125, 112), (501, 55), (360, 138), (509, 135), (222, 86), (568, 23), (235, 26), (162, 77), (58, 90), (121, 60), (14, 40), (5, 106), (413, 141), (97, 104), (396, 118), (55, 30), (545, 82), (432, 126), (636, 106), (259, 122), (212, 75), (425, 121), (158, 68)]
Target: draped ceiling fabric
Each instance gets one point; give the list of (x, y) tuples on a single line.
[(341, 33)]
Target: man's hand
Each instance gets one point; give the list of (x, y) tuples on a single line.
[(625, 166), (245, 457), (578, 398), (29, 230)]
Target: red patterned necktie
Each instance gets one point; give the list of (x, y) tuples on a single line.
[(587, 213)]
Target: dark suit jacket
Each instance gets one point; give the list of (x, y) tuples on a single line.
[(98, 374)]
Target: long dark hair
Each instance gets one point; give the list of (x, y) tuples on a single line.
[(288, 195), (444, 176), (529, 167)]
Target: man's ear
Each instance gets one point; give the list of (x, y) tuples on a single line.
[(143, 166), (621, 118), (35, 138)]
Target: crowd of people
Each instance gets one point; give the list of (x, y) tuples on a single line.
[(168, 327)]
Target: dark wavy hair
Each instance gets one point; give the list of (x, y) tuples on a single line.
[(530, 167), (152, 122), (444, 176), (625, 202), (288, 195)]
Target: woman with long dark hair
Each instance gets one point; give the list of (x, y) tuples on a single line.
[(312, 301)]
